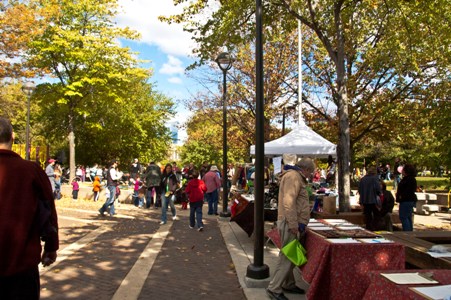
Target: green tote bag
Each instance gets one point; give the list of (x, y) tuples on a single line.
[(295, 252)]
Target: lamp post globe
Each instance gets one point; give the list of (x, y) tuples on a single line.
[(224, 61), (28, 88)]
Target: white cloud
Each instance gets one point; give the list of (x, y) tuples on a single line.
[(176, 80), (173, 66), (142, 16)]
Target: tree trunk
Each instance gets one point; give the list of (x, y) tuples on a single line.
[(71, 138), (343, 151)]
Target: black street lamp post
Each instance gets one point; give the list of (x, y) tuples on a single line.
[(258, 270), (224, 61), (28, 89)]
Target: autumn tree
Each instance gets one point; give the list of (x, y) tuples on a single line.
[(361, 50), (17, 27), (241, 94), (78, 46)]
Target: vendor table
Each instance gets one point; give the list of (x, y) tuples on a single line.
[(382, 288), (339, 271), (244, 215)]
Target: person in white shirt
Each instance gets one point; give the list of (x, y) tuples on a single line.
[(112, 180)]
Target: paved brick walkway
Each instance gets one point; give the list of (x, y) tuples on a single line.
[(97, 253), (193, 265)]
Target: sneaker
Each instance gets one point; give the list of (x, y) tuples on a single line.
[(275, 296), (191, 227), (175, 218), (200, 229), (101, 213), (162, 223)]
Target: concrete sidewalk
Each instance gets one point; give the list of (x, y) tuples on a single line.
[(132, 256), (241, 249)]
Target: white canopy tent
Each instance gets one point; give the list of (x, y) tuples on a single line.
[(303, 141)]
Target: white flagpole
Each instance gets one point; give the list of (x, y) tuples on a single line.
[(300, 116)]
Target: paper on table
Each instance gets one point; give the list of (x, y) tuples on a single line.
[(347, 224), (343, 241), (317, 225), (316, 228), (408, 278), (375, 241), (335, 221), (434, 292), (349, 227), (436, 254)]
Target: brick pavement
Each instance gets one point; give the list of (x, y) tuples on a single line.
[(190, 265), (193, 265)]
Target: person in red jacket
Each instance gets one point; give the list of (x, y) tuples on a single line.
[(195, 191), (27, 215)]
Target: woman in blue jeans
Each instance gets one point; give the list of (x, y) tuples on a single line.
[(406, 197), (168, 187)]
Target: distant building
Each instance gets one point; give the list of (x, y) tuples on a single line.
[(173, 153), (174, 133)]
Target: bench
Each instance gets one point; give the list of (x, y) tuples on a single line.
[(426, 204), (430, 208)]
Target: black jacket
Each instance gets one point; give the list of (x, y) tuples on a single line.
[(406, 190), (389, 202)]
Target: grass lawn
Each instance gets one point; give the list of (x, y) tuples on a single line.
[(429, 183)]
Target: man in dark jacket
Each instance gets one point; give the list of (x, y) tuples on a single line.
[(369, 191), (27, 214)]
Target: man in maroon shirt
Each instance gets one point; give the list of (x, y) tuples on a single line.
[(27, 214)]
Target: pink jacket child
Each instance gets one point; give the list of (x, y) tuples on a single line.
[(137, 195), (75, 188)]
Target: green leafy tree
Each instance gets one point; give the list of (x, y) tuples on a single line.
[(111, 129), (361, 50), (78, 47)]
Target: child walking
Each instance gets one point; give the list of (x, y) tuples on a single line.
[(138, 199), (75, 188), (96, 188), (195, 191)]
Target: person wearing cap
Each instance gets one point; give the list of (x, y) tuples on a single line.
[(27, 215), (50, 171), (213, 183), (292, 218)]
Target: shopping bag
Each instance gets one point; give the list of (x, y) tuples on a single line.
[(295, 252)]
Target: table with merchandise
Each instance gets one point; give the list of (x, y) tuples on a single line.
[(340, 255)]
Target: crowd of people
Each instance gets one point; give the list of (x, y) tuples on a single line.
[(378, 203), (158, 186), (155, 187)]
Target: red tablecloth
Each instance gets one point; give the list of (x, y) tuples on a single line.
[(339, 271), (382, 288)]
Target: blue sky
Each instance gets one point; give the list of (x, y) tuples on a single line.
[(167, 47)]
